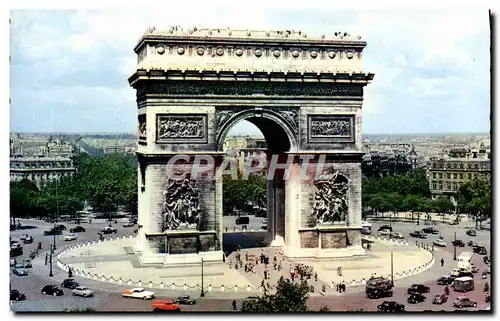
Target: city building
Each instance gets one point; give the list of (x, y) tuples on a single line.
[(459, 166), (40, 169), (388, 159)]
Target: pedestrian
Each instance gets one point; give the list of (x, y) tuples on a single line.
[(234, 305), (343, 287), (442, 262), (39, 245), (275, 258), (265, 274), (316, 276), (338, 287), (246, 256)]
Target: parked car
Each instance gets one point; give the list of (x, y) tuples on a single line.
[(61, 227), (440, 298), (77, 229), (458, 243), (397, 235), (15, 245), (472, 243), (165, 306), (480, 250), (471, 233), (458, 273), (52, 231), (462, 302), (23, 237), (108, 230), (385, 227), (418, 288), (70, 284), (128, 224), (186, 299), (138, 293), (13, 262), (390, 306), (70, 237), (418, 234), (19, 270), (28, 240), (52, 289), (83, 291), (416, 298), (430, 230), (439, 243), (445, 280), (15, 295)]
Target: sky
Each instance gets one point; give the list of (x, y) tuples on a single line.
[(69, 69)]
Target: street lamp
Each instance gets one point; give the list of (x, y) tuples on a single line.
[(392, 269), (50, 261), (455, 246), (57, 207), (202, 294)]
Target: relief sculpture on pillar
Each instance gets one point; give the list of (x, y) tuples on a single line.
[(330, 200), (186, 128), (181, 207), (142, 126)]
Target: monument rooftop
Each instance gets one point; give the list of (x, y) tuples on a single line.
[(282, 52)]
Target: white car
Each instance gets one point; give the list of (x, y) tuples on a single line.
[(396, 235), (70, 237), (384, 233), (439, 242), (83, 291), (138, 293)]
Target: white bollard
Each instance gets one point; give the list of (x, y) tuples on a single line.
[(222, 288), (209, 288), (173, 286), (162, 285), (185, 287), (248, 288)]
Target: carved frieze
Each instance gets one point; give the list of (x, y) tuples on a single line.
[(290, 115), (141, 127), (181, 207), (330, 199), (326, 128), (181, 128), (187, 88)]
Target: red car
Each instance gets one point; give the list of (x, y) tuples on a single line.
[(165, 306)]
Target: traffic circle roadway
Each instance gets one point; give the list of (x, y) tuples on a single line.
[(108, 296)]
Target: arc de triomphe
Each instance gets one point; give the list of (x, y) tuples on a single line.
[(305, 94)]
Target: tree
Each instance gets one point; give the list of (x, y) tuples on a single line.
[(413, 203), (474, 197), (23, 196), (289, 297)]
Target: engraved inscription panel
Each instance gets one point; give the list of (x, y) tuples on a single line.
[(333, 240), (183, 244), (181, 128), (323, 128), (309, 239)]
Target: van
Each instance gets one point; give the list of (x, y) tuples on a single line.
[(463, 284)]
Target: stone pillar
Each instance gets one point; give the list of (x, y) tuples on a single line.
[(292, 209), (270, 212), (279, 212)]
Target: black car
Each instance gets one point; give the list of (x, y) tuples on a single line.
[(418, 234), (463, 273), (391, 306), (76, 229), (486, 260), (186, 299), (430, 230), (440, 298), (471, 233), (17, 296), (479, 250), (52, 231), (377, 294), (416, 298), (458, 243), (61, 227), (70, 284), (445, 280), (52, 289), (385, 227), (418, 288)]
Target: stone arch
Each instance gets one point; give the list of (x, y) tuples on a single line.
[(270, 122)]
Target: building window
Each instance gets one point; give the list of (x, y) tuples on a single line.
[(441, 187), (476, 166), (469, 176), (434, 186), (448, 186), (440, 175), (433, 175), (448, 176), (454, 175), (461, 176)]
